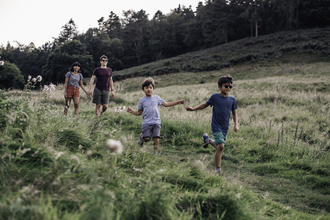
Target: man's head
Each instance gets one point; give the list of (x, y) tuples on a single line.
[(148, 86), (104, 60)]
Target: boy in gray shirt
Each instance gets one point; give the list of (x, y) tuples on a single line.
[(148, 108)]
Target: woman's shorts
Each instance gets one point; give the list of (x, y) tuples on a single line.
[(72, 92), (219, 138), (155, 129), (100, 96)]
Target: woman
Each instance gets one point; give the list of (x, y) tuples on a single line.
[(71, 88)]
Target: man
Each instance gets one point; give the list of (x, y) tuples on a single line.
[(104, 85)]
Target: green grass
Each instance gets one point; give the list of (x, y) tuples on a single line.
[(275, 167)]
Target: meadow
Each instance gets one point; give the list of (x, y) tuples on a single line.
[(276, 167)]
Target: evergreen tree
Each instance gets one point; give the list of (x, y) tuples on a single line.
[(60, 60)]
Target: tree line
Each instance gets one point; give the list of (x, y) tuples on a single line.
[(135, 39)]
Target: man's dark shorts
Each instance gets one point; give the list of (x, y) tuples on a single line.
[(100, 96)]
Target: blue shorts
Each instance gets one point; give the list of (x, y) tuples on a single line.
[(155, 129), (219, 138)]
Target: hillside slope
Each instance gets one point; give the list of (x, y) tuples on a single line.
[(312, 41)]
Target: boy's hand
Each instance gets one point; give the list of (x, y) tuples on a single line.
[(188, 108), (181, 101), (129, 110), (236, 128)]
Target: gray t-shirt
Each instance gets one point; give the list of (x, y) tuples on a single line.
[(74, 79), (150, 109)]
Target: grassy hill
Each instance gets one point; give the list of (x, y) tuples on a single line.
[(311, 41), (275, 167)]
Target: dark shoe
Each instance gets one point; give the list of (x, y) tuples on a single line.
[(206, 140), (140, 141)]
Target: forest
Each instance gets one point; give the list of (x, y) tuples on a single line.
[(136, 39)]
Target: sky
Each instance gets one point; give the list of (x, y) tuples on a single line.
[(39, 21)]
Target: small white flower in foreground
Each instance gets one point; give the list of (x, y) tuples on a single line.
[(34, 79), (114, 146), (46, 88), (51, 87), (1, 63), (120, 109), (39, 78)]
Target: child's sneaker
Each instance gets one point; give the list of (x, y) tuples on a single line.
[(155, 152), (206, 140), (140, 141)]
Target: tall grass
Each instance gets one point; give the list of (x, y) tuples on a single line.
[(276, 166)]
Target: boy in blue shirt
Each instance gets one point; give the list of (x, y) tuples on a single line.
[(222, 104), (148, 108)]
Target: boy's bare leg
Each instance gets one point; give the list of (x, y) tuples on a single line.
[(212, 142), (218, 154), (156, 144)]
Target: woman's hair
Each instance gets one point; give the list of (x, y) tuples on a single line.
[(147, 82), (75, 64), (103, 57), (225, 79)]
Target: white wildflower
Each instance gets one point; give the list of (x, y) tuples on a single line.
[(1, 63), (114, 146), (39, 78), (34, 79), (46, 88)]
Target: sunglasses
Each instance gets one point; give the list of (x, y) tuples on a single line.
[(226, 86), (104, 60)]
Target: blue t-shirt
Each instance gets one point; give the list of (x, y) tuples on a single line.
[(222, 107), (150, 110)]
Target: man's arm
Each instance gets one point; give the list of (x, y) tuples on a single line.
[(201, 106), (91, 84), (169, 104), (111, 87), (234, 112)]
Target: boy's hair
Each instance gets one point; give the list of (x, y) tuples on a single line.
[(225, 79), (147, 82), (73, 65), (103, 56)]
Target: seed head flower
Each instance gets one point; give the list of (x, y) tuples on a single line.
[(34, 79), (1, 63), (114, 146)]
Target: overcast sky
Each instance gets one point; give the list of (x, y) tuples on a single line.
[(38, 21)]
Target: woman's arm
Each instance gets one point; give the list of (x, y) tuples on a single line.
[(82, 86), (201, 106), (169, 104), (66, 87)]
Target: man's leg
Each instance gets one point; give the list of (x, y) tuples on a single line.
[(104, 108), (97, 109)]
